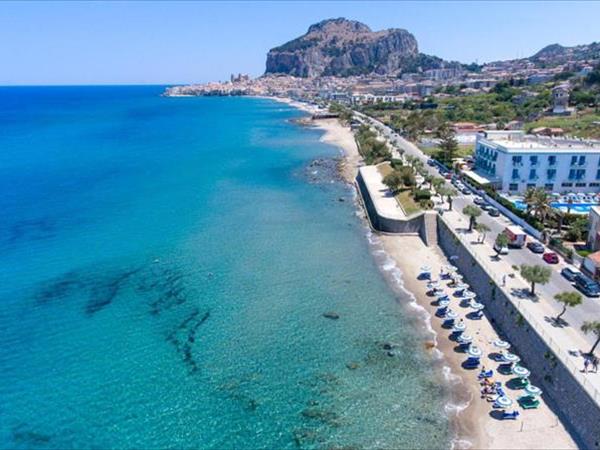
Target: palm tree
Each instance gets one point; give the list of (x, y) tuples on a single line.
[(535, 275), (529, 199), (568, 299), (594, 328), (540, 205), (482, 229), (473, 212)]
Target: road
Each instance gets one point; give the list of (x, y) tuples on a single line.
[(588, 310)]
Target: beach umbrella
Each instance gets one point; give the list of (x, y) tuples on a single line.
[(425, 269), (459, 327), (461, 286), (465, 339), (501, 344), (521, 371), (510, 358), (503, 402), (453, 257), (533, 390), (453, 268), (434, 285), (443, 303), (477, 306), (441, 294), (469, 294), (474, 352), (451, 315)]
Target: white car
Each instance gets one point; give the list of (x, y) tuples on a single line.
[(500, 250)]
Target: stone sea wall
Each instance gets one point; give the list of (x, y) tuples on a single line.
[(562, 390), (415, 225)]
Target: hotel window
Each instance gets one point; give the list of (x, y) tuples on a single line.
[(580, 184), (551, 174), (598, 174), (532, 174), (549, 187), (567, 185), (515, 174), (581, 160), (573, 160), (513, 187), (516, 160), (551, 160), (533, 160), (580, 174), (572, 174), (594, 184), (530, 185)]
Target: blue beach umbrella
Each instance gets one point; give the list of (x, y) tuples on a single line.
[(451, 315), (475, 352), (465, 339), (533, 390), (510, 358), (443, 303), (477, 306), (521, 371), (501, 344), (459, 327), (503, 402)]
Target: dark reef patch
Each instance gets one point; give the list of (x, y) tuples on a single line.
[(22, 435), (103, 292), (165, 286), (59, 288), (184, 336), (32, 230)]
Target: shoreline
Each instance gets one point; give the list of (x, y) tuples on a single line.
[(471, 418)]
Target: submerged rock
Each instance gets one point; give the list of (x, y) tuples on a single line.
[(352, 365), (331, 315)]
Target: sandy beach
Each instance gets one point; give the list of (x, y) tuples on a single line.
[(477, 425)]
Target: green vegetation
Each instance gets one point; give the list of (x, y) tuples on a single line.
[(568, 300), (500, 242), (372, 150), (594, 328), (584, 124), (401, 182), (472, 212), (482, 229), (344, 113), (535, 275)]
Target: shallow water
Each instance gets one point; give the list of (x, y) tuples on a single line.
[(166, 265)]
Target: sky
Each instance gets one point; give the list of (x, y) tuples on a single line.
[(113, 42)]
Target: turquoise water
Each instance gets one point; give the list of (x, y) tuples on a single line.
[(165, 267)]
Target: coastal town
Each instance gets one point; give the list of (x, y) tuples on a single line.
[(505, 201)]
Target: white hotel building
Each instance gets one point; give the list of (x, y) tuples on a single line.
[(513, 161)]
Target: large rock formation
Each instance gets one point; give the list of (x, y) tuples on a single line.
[(344, 47)]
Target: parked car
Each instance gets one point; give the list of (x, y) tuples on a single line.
[(430, 162), (586, 285), (479, 201), (465, 190), (550, 258), (501, 250), (570, 273), (535, 247), (493, 212)]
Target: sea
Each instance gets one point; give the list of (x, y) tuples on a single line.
[(166, 264)]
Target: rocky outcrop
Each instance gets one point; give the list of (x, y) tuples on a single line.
[(342, 47)]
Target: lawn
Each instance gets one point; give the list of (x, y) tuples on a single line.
[(404, 197), (462, 152)]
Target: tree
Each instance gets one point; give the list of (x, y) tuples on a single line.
[(448, 143), (473, 212), (529, 199), (535, 275), (577, 229), (569, 300), (500, 242), (436, 183), (449, 193), (393, 180), (541, 204), (408, 176), (482, 229), (428, 179), (594, 328)]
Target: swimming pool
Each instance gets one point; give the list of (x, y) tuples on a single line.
[(577, 208)]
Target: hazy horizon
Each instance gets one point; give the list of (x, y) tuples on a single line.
[(165, 43)]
